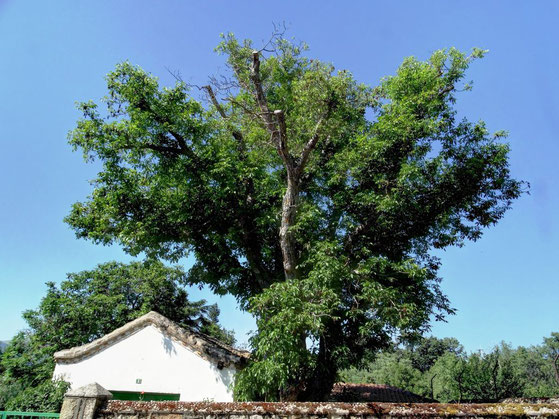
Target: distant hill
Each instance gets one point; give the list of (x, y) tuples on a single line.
[(3, 345)]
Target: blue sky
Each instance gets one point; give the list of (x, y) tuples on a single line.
[(52, 54)]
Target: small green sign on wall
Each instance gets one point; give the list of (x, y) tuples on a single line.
[(143, 396)]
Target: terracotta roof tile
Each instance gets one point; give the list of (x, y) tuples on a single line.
[(350, 392)]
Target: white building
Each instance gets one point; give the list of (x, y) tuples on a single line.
[(152, 358)]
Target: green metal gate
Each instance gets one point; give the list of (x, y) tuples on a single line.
[(5, 414)]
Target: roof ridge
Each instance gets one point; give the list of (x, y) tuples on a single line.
[(203, 345)]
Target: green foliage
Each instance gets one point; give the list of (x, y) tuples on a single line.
[(394, 370), (8, 390), (445, 378), (427, 351), (26, 360), (382, 176), (45, 397), (440, 369), (536, 362), (26, 377), (86, 306), (487, 377), (90, 304)]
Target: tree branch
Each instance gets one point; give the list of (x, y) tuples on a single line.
[(235, 132), (251, 241), (432, 392), (351, 237), (281, 143), (279, 31), (185, 149), (155, 147), (217, 105), (246, 110), (311, 144), (259, 92), (182, 142)]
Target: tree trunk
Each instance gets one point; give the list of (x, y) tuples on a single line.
[(319, 384), (319, 388), (556, 368), (288, 212)]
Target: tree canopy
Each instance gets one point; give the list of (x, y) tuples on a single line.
[(312, 198), (84, 307), (89, 304)]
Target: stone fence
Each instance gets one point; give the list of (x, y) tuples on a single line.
[(93, 402)]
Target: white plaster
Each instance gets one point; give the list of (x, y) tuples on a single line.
[(163, 364)]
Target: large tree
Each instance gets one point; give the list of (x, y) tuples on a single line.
[(313, 199)]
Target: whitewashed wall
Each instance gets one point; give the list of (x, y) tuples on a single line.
[(163, 364)]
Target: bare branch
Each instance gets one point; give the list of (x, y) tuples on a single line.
[(177, 76), (259, 92), (235, 132), (217, 105), (282, 137), (277, 33), (224, 84), (247, 110), (239, 77)]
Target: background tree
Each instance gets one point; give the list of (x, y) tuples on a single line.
[(424, 366), (86, 306), (455, 376), (490, 377), (313, 199), (395, 369), (425, 351), (537, 371), (448, 378), (552, 353), (90, 304)]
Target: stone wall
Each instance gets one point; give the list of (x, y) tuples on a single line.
[(99, 407), (208, 410)]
